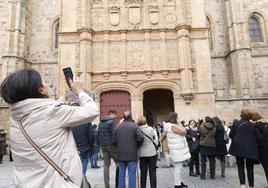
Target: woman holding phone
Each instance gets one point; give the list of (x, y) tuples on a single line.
[(47, 122)]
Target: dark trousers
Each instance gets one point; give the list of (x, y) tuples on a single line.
[(241, 170), (148, 163), (194, 161), (264, 161), (1, 159), (212, 167)]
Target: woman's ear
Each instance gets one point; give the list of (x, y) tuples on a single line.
[(44, 90)]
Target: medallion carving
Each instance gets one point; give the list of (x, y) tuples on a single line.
[(154, 14), (114, 15), (170, 16)]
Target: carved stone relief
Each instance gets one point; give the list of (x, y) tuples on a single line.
[(97, 57), (155, 55), (135, 55), (98, 18), (114, 57), (172, 54)]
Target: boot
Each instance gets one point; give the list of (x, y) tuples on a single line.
[(183, 185), (203, 172), (223, 166), (177, 186)]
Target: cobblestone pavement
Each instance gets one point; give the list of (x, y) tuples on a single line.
[(164, 177)]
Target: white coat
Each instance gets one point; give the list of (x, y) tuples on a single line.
[(177, 144), (47, 122)]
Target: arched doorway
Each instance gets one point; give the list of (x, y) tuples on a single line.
[(118, 100), (157, 104)]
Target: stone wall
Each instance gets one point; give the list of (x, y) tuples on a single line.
[(230, 109), (43, 15)]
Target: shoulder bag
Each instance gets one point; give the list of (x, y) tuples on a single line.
[(85, 183), (155, 146)]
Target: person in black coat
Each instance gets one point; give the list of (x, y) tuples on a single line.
[(261, 129), (221, 149), (192, 137), (84, 139), (244, 147)]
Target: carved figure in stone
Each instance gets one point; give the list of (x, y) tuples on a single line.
[(114, 15), (154, 14)]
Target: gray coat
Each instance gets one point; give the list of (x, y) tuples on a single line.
[(127, 138)]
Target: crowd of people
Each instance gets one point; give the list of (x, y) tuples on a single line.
[(46, 133)]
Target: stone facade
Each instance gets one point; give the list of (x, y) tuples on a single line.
[(199, 49)]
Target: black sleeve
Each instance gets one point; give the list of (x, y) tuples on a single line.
[(139, 137), (91, 135)]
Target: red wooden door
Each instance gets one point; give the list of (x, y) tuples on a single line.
[(118, 100)]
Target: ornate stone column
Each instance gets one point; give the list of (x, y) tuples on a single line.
[(184, 56)]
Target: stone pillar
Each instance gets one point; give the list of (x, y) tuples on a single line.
[(85, 65), (136, 106), (240, 51), (184, 56)]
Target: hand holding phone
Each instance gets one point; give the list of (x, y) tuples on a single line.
[(68, 73)]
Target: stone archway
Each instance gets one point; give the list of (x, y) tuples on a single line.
[(157, 103)]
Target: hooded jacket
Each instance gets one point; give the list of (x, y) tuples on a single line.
[(105, 131), (207, 133), (48, 122)]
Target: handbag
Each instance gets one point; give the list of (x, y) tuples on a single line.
[(155, 146), (85, 183)]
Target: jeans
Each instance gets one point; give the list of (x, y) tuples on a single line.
[(148, 163), (84, 164), (109, 152), (94, 159), (131, 166), (241, 170)]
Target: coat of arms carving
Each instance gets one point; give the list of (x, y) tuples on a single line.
[(154, 14), (114, 15)]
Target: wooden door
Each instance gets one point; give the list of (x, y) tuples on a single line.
[(118, 100)]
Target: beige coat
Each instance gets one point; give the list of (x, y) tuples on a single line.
[(47, 122), (164, 141)]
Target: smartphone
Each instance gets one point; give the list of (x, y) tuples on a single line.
[(69, 76)]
